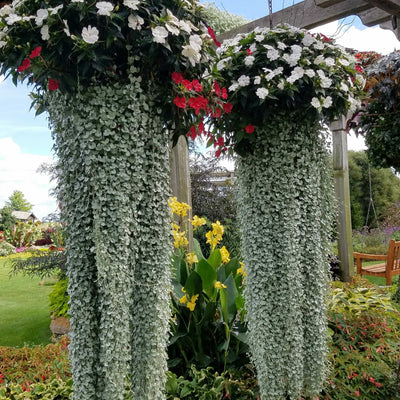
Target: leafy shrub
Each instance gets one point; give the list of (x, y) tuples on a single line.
[(24, 233), (59, 298), (26, 366), (6, 249)]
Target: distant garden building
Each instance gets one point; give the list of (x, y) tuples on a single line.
[(24, 216)]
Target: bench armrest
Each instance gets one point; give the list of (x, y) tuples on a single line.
[(370, 256)]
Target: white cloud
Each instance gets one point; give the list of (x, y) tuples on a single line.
[(18, 172)]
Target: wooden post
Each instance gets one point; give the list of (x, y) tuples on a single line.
[(342, 190), (180, 181)]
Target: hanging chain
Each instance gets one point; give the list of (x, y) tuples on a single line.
[(270, 13)]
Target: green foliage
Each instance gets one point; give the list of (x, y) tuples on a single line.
[(222, 21), (29, 365), (285, 213), (385, 187), (113, 149), (212, 332), (18, 202), (6, 249), (54, 389), (59, 298), (7, 221)]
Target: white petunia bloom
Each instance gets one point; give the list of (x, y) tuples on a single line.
[(28, 18), (132, 4), (319, 59), (249, 60), (315, 102), (41, 15), (44, 31), (135, 22), (274, 73), (222, 63), (233, 87), (54, 10), (319, 45), (281, 46), (6, 10), (273, 54), (344, 87), (344, 62), (297, 73), (281, 84), (90, 34), (196, 42), (326, 82), (12, 19), (257, 80), (308, 40), (310, 73), (327, 102), (2, 44), (173, 29), (184, 26), (259, 38), (361, 80), (329, 61), (192, 50), (66, 29), (253, 47), (244, 80), (104, 8), (159, 34), (172, 19), (262, 93)]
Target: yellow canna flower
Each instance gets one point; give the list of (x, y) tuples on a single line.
[(175, 227), (183, 290), (178, 208), (180, 239), (241, 270), (191, 258), (218, 229), (218, 285), (192, 303), (183, 300), (212, 239), (224, 255), (196, 222)]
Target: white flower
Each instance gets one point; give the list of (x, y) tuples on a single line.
[(308, 40), (172, 19), (233, 87), (104, 8), (159, 34), (66, 29), (249, 60), (316, 103), (12, 19), (319, 59), (281, 46), (281, 84), (310, 73), (135, 22), (221, 64), (44, 31), (326, 82), (257, 80), (173, 29), (6, 10), (196, 42), (90, 34), (41, 15), (2, 43), (273, 54), (77, 1), (330, 62), (244, 80), (54, 10), (296, 49), (262, 93), (185, 26), (253, 47), (132, 4), (259, 38), (297, 73), (344, 62), (360, 80), (292, 59), (318, 45), (192, 50), (344, 87), (327, 102), (274, 73)]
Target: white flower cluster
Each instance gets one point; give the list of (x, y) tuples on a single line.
[(303, 61)]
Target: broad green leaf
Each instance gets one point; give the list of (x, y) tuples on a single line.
[(193, 284), (197, 249), (208, 276), (232, 295), (232, 267), (215, 258)]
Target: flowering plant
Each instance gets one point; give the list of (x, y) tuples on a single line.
[(270, 73), (68, 44)]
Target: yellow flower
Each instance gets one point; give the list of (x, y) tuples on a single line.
[(224, 255), (183, 290), (177, 207), (196, 222), (218, 285), (212, 239), (180, 239), (175, 227), (192, 303), (191, 258), (218, 229), (183, 300), (241, 270)]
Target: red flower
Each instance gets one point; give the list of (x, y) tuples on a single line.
[(177, 77), (249, 128), (217, 113), (227, 107), (201, 127), (249, 52), (218, 153), (188, 85), (217, 89), (325, 38), (197, 86), (35, 52), (25, 65), (212, 34), (192, 133), (53, 84), (220, 141), (198, 102), (357, 393), (377, 384), (224, 93), (359, 69), (180, 102), (2, 378)]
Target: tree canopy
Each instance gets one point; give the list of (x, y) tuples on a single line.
[(17, 202)]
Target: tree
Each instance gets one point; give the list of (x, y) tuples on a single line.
[(7, 221), (17, 202), (385, 189)]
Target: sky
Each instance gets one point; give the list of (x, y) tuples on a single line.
[(25, 140)]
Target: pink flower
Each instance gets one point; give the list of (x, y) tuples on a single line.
[(53, 84), (35, 52), (177, 77), (25, 65), (180, 102), (357, 393), (249, 128)]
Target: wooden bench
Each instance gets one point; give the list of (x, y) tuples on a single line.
[(387, 269)]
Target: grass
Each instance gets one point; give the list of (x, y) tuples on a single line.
[(24, 316)]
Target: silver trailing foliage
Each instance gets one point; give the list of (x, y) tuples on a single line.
[(285, 202), (113, 154)]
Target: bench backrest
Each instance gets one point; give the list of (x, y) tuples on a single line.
[(393, 255)]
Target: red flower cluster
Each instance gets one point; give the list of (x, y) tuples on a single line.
[(212, 34), (53, 84), (211, 103), (35, 52), (25, 65)]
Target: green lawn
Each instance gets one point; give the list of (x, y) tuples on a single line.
[(24, 309)]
